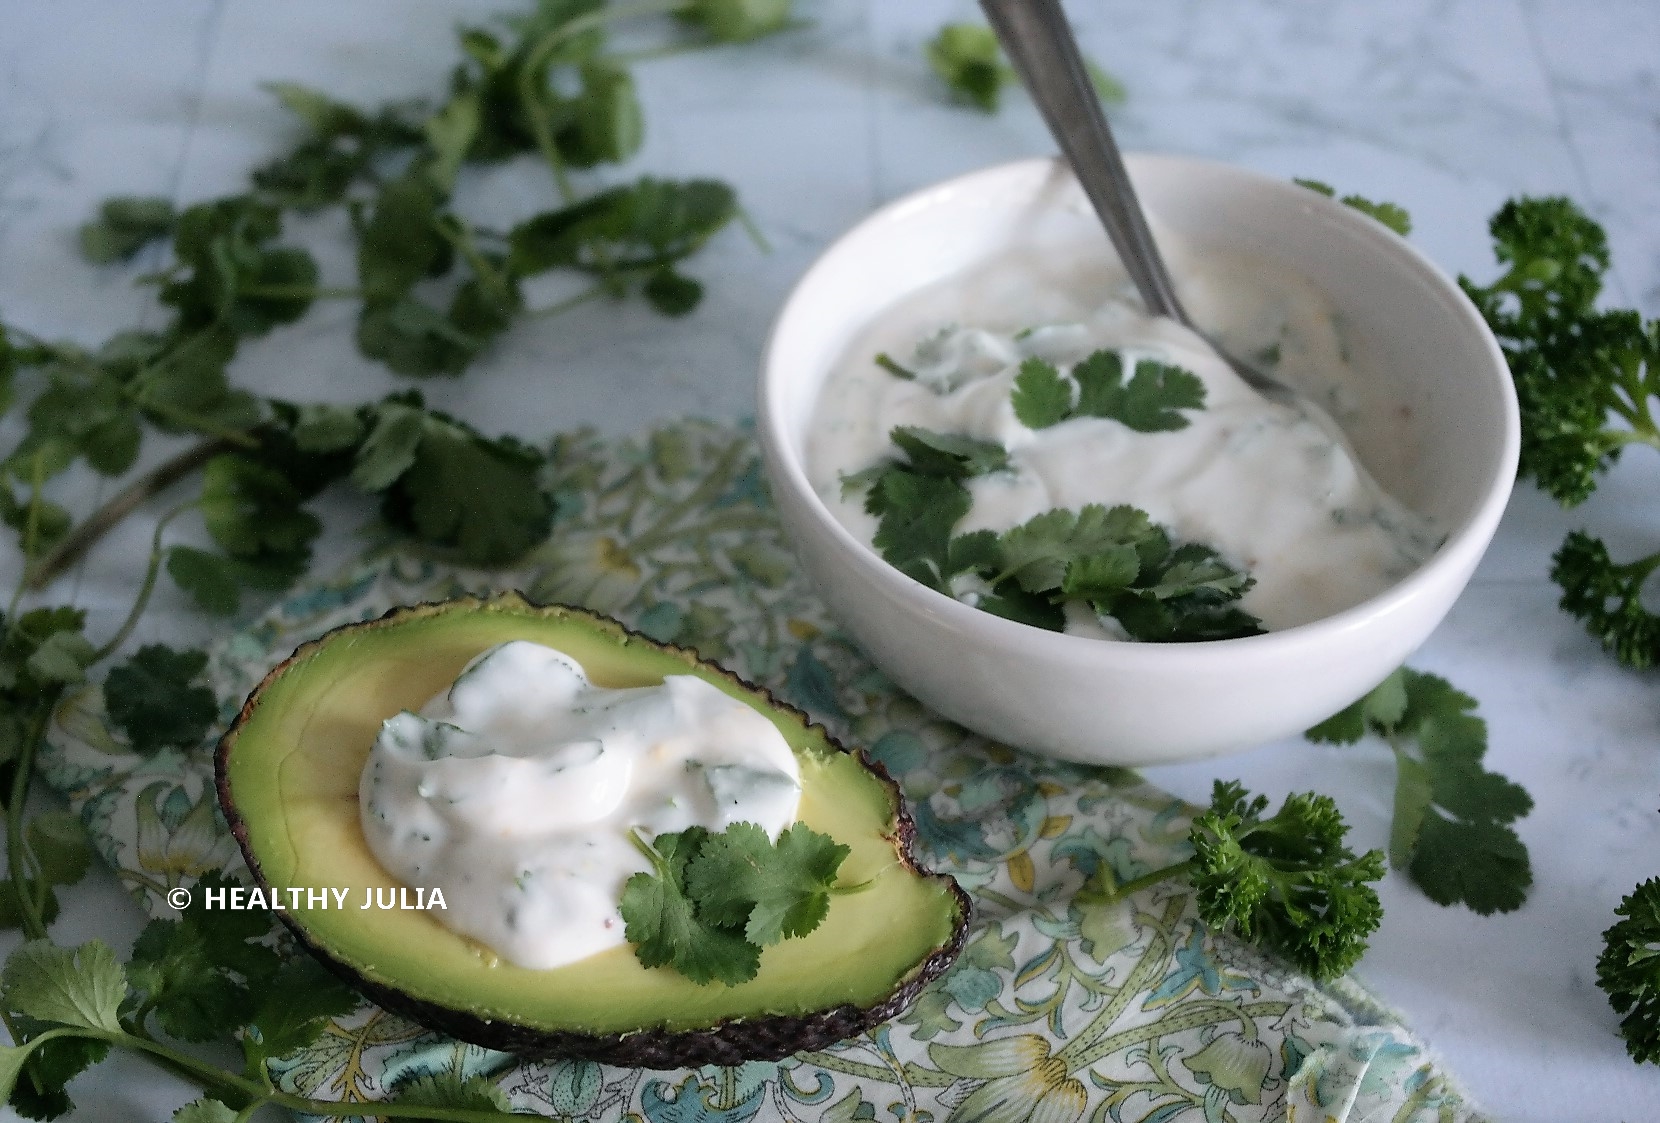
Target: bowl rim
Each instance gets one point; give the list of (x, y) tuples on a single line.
[(1459, 550)]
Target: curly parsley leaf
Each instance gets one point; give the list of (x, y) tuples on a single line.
[(1287, 883), (1391, 215), (1608, 598), (155, 699), (124, 226), (1451, 831), (1628, 970)]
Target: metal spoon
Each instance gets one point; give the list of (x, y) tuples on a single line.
[(1039, 43)]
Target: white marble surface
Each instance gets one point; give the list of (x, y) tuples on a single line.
[(1446, 106)]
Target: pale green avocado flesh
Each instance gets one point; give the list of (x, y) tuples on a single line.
[(289, 774)]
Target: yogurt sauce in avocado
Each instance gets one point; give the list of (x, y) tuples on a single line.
[(516, 790), (1266, 486)]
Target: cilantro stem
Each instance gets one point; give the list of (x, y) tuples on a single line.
[(28, 908), (537, 59), (144, 591), (568, 303), (81, 539), (299, 292)]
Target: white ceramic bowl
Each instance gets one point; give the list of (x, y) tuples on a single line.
[(1137, 703)]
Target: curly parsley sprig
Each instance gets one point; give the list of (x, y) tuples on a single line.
[(1588, 384), (1628, 970), (1287, 883)]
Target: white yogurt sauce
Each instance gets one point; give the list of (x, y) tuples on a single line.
[(515, 793), (1263, 484)]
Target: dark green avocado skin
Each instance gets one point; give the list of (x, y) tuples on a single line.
[(766, 1037)]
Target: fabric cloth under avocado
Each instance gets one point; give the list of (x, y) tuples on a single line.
[(1059, 1011)]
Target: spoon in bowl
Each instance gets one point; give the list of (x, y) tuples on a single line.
[(1039, 42)]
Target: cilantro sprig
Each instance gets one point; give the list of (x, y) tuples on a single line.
[(712, 901), (967, 58), (1116, 560), (1151, 400), (1452, 830), (205, 976), (1287, 882)]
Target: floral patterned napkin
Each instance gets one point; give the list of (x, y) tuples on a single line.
[(1059, 1010)]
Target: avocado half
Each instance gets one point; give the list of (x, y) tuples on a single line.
[(287, 773)]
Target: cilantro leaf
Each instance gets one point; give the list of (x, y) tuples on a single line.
[(297, 1006), (447, 1089), (606, 124), (1287, 883), (737, 21), (968, 60), (123, 227), (917, 515), (1149, 403), (1451, 831), (252, 511), (948, 455), (204, 1110), (40, 1089), (1038, 552), (741, 878), (478, 495), (228, 274), (211, 579), (81, 987), (661, 920), (198, 973), (401, 243), (1628, 970), (343, 142), (1041, 396), (155, 700), (60, 845)]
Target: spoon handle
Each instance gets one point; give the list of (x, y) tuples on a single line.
[(1039, 43)]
